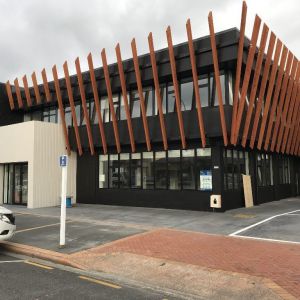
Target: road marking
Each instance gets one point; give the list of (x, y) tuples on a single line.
[(39, 227), (37, 265), (114, 286), (261, 222), (10, 261), (266, 239)]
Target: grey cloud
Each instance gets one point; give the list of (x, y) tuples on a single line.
[(36, 34)]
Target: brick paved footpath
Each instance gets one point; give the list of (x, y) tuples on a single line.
[(277, 261)]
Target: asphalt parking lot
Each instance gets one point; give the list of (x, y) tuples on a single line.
[(93, 225)]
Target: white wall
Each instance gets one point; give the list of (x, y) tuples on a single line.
[(40, 144)]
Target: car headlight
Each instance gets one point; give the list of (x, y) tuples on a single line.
[(5, 219)]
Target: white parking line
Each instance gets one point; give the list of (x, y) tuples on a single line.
[(261, 222), (10, 261)]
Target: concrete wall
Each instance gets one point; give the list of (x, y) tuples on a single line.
[(40, 144)]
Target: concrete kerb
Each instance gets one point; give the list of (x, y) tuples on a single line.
[(40, 253)]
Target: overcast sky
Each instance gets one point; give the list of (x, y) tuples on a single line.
[(40, 33)]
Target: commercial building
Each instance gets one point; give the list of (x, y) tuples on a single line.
[(166, 129)]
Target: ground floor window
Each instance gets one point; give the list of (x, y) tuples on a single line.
[(284, 170), (236, 163), (173, 170), (264, 169)]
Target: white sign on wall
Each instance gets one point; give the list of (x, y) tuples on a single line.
[(205, 180)]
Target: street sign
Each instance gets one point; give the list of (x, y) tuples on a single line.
[(63, 160)]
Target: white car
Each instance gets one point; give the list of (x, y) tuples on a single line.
[(7, 224)]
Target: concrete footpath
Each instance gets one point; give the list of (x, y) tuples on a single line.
[(194, 265)]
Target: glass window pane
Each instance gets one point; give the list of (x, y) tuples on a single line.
[(188, 171), (104, 109), (174, 170), (124, 175), (203, 89), (68, 116), (148, 170), (187, 90), (148, 96), (160, 170), (230, 88), (203, 169), (122, 108), (135, 104), (77, 111), (235, 169), (171, 99), (103, 171), (113, 171), (213, 91), (115, 99), (136, 170), (163, 95)]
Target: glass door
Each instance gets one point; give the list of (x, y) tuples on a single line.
[(15, 183)]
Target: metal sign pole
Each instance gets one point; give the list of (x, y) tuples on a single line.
[(63, 164)]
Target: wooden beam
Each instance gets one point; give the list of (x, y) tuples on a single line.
[(72, 106), (295, 138), (290, 110), (125, 98), (176, 87), (238, 70), (36, 88), (27, 93), (247, 74), (217, 77), (275, 97), (61, 109), (110, 100), (97, 102), (10, 96), (83, 101), (295, 120), (18, 92), (195, 81), (157, 91), (257, 72), (140, 91), (46, 86), (281, 100), (262, 90), (286, 104)]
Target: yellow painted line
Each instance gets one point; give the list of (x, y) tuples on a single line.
[(39, 227), (37, 265), (114, 286)]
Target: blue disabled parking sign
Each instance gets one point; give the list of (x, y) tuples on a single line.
[(63, 160)]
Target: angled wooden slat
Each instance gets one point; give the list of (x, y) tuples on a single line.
[(85, 110), (61, 109), (238, 71), (275, 97), (46, 85), (157, 91), (247, 74), (195, 81), (27, 93), (262, 90), (10, 96), (217, 77), (282, 121), (295, 119), (110, 100), (176, 87), (269, 93), (290, 110), (281, 100), (97, 102), (258, 65), (72, 106), (36, 88), (18, 92), (140, 91), (125, 98), (296, 138)]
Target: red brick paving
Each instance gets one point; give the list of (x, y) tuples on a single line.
[(276, 261)]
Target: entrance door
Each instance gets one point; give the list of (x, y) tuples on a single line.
[(15, 183)]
